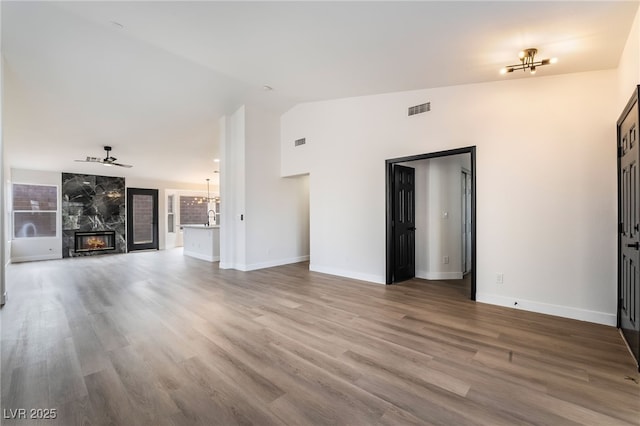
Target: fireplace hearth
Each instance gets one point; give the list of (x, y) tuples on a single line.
[(95, 241)]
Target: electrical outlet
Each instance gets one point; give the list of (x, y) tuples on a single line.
[(445, 260), (500, 278)]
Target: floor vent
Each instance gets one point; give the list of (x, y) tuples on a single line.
[(419, 109), (299, 142)]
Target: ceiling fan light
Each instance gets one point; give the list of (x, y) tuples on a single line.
[(553, 60), (533, 70), (545, 62)]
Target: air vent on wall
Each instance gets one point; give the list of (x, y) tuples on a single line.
[(419, 109), (299, 142)]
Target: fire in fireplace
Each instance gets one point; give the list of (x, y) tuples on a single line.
[(95, 241)]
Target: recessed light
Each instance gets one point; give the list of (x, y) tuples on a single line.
[(216, 160), (267, 88), (117, 24)]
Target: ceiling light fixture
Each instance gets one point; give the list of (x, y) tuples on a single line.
[(528, 62)]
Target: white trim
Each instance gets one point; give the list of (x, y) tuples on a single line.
[(272, 263), (227, 265), (20, 259), (201, 256), (549, 309), (376, 279), (439, 275), (263, 265)]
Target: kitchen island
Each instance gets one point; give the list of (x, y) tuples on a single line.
[(202, 242)]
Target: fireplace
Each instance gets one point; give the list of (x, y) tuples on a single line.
[(95, 241)]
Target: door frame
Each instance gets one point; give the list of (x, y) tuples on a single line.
[(389, 164), (466, 174), (155, 244)]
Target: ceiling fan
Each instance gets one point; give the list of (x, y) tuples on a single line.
[(107, 161)]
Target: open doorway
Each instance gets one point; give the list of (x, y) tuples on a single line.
[(430, 217)]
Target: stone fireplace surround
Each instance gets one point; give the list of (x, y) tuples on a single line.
[(93, 204)]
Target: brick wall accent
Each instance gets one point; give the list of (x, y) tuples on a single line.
[(193, 210)]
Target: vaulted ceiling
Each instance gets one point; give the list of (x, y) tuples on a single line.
[(152, 78)]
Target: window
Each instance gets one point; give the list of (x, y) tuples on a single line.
[(170, 217), (193, 210), (35, 210)]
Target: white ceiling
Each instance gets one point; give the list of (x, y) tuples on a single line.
[(155, 88)]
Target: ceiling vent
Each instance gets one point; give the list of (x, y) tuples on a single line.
[(419, 109), (299, 142)]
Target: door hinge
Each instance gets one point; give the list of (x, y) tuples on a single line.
[(619, 152)]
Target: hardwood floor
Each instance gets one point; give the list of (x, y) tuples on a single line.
[(156, 338)]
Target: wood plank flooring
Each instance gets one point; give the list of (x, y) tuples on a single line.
[(156, 338)]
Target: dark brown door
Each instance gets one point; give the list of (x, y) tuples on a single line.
[(142, 219), (629, 227), (404, 223)]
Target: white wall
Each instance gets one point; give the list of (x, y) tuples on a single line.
[(4, 245), (264, 216), (232, 191), (277, 208), (546, 183), (629, 66)]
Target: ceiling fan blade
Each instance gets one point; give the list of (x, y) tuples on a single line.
[(91, 160), (108, 161)]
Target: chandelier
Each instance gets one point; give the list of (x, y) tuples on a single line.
[(205, 200), (528, 62)]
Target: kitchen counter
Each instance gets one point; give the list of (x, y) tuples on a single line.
[(202, 242)]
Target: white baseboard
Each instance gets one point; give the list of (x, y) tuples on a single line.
[(227, 265), (439, 275), (20, 259), (549, 309), (348, 274), (201, 256), (263, 265), (272, 263)]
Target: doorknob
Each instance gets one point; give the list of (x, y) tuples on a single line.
[(635, 245)]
